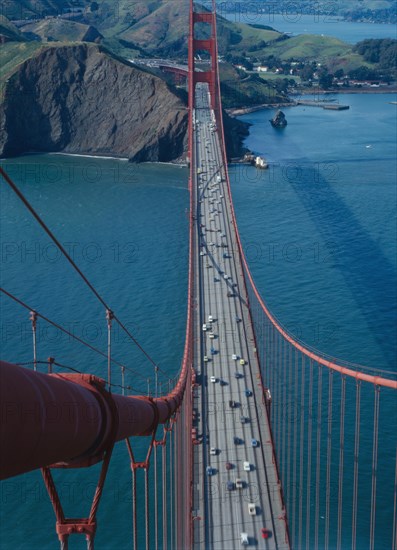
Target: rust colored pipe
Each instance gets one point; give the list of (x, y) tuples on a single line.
[(68, 419)]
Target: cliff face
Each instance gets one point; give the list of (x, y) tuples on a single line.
[(77, 99)]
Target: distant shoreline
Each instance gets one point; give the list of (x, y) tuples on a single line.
[(239, 111)]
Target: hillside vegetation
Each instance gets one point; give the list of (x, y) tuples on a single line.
[(10, 31), (61, 30)]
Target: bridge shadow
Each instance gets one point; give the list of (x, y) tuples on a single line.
[(368, 273)]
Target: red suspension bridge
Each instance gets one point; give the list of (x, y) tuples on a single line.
[(254, 442)]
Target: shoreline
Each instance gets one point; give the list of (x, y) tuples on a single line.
[(239, 111)]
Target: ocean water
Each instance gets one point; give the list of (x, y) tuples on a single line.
[(323, 218), (318, 229), (295, 22)]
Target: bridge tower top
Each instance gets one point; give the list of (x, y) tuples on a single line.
[(208, 45)]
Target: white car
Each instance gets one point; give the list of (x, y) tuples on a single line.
[(213, 451), (210, 318), (213, 379), (211, 335), (234, 356), (204, 327), (252, 509), (247, 466), (239, 483)]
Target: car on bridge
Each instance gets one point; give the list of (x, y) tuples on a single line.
[(210, 471), (266, 533), (213, 451), (244, 539), (246, 466), (213, 379), (254, 442), (228, 465), (239, 483), (230, 486), (237, 440), (248, 393)]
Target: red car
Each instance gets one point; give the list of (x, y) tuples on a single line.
[(229, 466), (266, 534)]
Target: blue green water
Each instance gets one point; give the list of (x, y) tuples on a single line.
[(319, 231), (322, 221), (295, 22)]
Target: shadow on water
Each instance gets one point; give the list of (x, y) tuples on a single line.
[(368, 273)]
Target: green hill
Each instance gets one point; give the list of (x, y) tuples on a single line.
[(9, 31), (309, 47), (57, 29)]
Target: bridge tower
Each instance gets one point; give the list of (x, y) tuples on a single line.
[(208, 45)]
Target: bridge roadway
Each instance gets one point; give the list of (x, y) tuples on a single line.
[(221, 513)]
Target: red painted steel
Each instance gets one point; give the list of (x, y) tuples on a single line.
[(67, 418)]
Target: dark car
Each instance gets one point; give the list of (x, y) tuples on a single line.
[(228, 465), (230, 485), (236, 440)]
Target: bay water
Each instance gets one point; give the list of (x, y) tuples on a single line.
[(319, 230)]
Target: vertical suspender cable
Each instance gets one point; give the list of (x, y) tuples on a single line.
[(33, 319), (172, 488), (278, 369), (64, 544), (356, 464), (147, 517), (123, 380), (374, 467), (329, 452), (290, 420), (295, 445), (156, 504), (309, 456), (341, 463), (394, 531), (165, 515), (318, 454), (285, 407), (109, 317), (302, 448)]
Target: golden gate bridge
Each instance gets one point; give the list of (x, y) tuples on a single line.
[(318, 420)]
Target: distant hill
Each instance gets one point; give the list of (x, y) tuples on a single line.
[(8, 31), (382, 11), (309, 47), (33, 9), (61, 30)]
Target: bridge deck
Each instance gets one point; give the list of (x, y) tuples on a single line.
[(224, 512)]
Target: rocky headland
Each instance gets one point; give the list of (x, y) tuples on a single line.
[(80, 99)]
